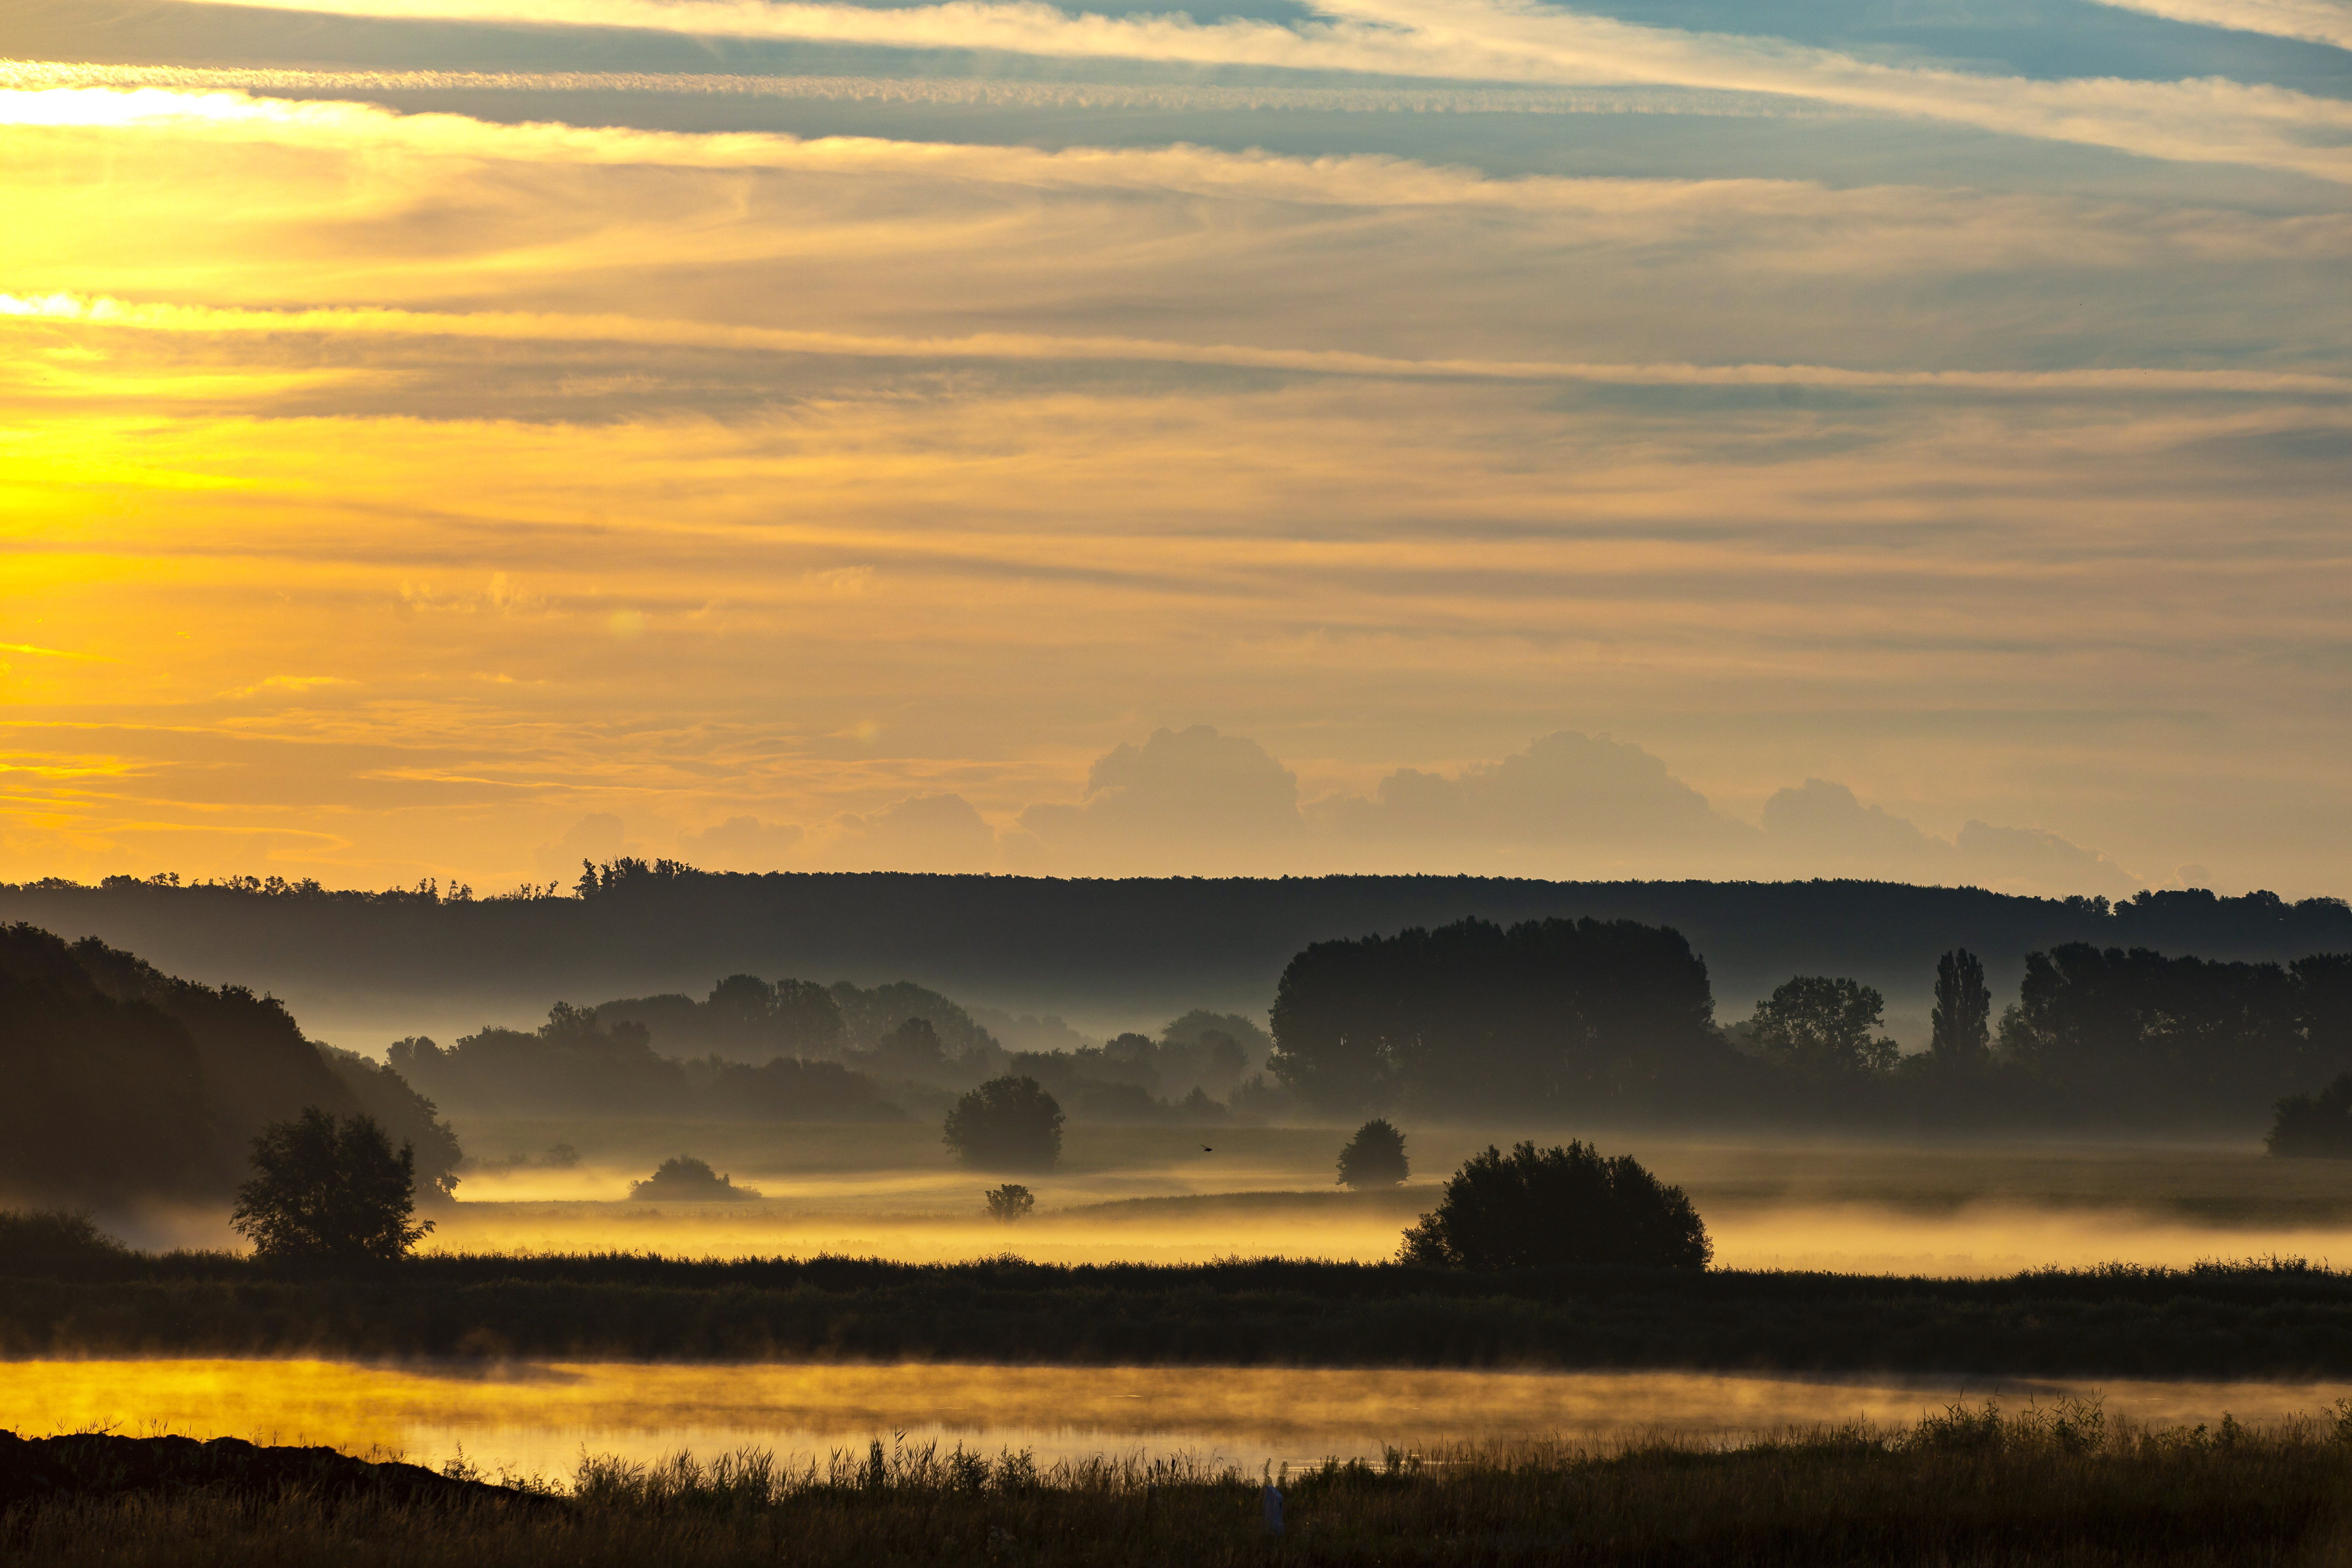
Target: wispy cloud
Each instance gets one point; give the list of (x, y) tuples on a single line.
[(784, 481), (509, 325), (2210, 121), (50, 652), (534, 326), (29, 76), (2313, 21)]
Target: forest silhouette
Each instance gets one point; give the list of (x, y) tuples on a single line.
[(122, 1081), (1153, 945), (131, 1082)]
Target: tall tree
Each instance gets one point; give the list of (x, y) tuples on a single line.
[(1575, 1016), (1824, 1025), (1008, 1123), (329, 1189), (1961, 1023)]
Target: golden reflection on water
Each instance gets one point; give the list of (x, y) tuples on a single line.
[(542, 1418)]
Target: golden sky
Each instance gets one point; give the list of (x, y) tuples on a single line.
[(448, 437)]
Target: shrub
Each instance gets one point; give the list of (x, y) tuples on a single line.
[(1008, 1203), (329, 1189), (1006, 1124), (689, 1181), (2315, 1126), (1374, 1157), (1557, 1208), (34, 1239)]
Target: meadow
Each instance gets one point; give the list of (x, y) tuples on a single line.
[(1154, 1193)]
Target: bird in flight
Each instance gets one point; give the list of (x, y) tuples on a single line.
[(1206, 1150)]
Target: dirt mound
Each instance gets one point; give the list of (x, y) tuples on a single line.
[(92, 1466)]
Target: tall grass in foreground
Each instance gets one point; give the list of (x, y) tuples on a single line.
[(2063, 1486)]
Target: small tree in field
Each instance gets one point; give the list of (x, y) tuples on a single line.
[(1008, 1203), (1008, 1123), (330, 1190), (1558, 1208), (1374, 1157)]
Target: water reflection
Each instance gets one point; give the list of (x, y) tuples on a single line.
[(539, 1418)]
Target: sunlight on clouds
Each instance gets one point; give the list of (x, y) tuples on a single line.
[(844, 498), (2316, 21), (2211, 120)]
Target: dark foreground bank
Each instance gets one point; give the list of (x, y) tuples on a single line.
[(2056, 1488), (97, 1467), (2250, 1320)]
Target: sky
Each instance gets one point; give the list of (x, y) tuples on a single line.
[(453, 439)]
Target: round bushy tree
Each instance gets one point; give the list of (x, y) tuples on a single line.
[(1008, 1123), (1558, 1208), (1824, 1025), (688, 1180), (2315, 1125), (1009, 1202), (330, 1190), (1374, 1157)]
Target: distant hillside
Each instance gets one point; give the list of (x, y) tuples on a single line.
[(1138, 949), (119, 1082)]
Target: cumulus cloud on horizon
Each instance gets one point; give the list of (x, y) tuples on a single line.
[(1196, 801)]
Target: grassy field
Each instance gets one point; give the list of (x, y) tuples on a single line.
[(1155, 1194), (2058, 1487), (2248, 1321)]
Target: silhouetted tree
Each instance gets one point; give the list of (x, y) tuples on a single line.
[(329, 1189), (1006, 1124), (2133, 1034), (1209, 1050), (788, 1089), (744, 1017), (1198, 1107), (1824, 1026), (572, 1063), (1008, 1203), (1374, 1157), (2315, 1126), (868, 1016), (1569, 1015), (405, 1114), (688, 1180), (1558, 1208), (1961, 1025), (912, 1048), (33, 1241)]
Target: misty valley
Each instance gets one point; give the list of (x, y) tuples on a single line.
[(1482, 1205)]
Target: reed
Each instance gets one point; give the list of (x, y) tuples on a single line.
[(2267, 1319), (2059, 1486)]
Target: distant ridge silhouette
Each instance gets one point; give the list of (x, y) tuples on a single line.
[(1140, 947)]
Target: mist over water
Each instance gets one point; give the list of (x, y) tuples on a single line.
[(1165, 1194), (542, 1419)]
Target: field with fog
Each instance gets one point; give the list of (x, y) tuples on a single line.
[(1156, 1195)]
